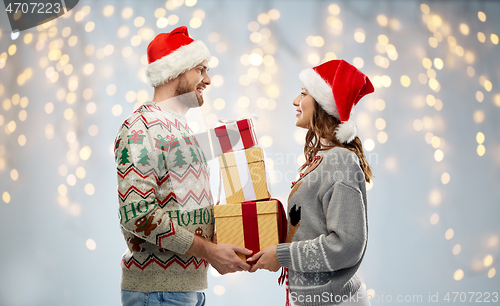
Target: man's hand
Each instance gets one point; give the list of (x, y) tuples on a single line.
[(224, 259), (266, 259), (221, 256)]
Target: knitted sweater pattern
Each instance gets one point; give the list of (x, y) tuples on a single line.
[(328, 230), (164, 200)]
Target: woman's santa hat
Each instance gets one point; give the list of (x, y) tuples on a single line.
[(171, 54), (337, 86)]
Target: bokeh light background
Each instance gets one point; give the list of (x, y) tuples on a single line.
[(431, 132)]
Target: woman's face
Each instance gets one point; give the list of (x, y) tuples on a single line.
[(304, 104)]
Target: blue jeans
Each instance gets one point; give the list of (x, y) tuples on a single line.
[(191, 298)]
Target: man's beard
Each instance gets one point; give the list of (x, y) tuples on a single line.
[(184, 88)]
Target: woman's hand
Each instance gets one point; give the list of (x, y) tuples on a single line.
[(266, 259)]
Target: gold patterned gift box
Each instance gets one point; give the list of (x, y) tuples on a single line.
[(252, 225), (244, 176)]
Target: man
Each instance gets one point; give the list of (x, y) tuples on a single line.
[(163, 184)]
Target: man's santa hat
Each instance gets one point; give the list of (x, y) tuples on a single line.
[(337, 86), (171, 54)]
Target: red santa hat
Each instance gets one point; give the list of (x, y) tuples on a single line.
[(171, 54), (337, 86)]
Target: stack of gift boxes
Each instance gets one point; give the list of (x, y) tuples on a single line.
[(250, 218)]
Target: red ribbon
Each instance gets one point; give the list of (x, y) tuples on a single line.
[(245, 127), (250, 226), (224, 141)]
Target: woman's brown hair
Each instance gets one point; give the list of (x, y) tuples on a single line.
[(323, 126)]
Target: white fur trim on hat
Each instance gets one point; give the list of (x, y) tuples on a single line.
[(319, 90), (346, 132), (171, 66)]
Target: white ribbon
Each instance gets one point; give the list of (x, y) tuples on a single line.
[(244, 174)]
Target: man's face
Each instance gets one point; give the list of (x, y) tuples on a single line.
[(195, 80)]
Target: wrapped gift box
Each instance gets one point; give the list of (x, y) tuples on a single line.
[(252, 225), (244, 176), (236, 135)]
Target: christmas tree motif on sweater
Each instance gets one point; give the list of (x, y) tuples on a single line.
[(186, 138), (161, 161), (136, 137), (179, 159), (196, 141), (204, 159), (124, 157), (194, 156), (143, 157)]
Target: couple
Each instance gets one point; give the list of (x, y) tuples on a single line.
[(165, 200)]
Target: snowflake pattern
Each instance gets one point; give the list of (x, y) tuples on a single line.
[(310, 247)]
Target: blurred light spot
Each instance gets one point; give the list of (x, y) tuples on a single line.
[(480, 138), (255, 59), (334, 9), (494, 39), (217, 80), (219, 104), (195, 22), (445, 178), (435, 142), (380, 104), (190, 3), (464, 29), (435, 197), (108, 10), (456, 249), (391, 163), (272, 91), (479, 96), (434, 219), (380, 124), (266, 141), (214, 61), (62, 190), (263, 18), (49, 131), (418, 125), (63, 170), (116, 110), (214, 36), (478, 116), (369, 144), (89, 189), (49, 108), (438, 155), (85, 153), (6, 197), (493, 241), (243, 101), (382, 20), (91, 245), (274, 14), (481, 16), (21, 140), (491, 272), (89, 27), (139, 21), (405, 80), (68, 114), (63, 201), (80, 173), (449, 234), (425, 8), (91, 108), (481, 150), (93, 130), (383, 39), (71, 180), (219, 290), (135, 40), (262, 102), (385, 80), (173, 19), (438, 63), (14, 175), (488, 261), (72, 41), (487, 85), (111, 89), (358, 62), (142, 96)]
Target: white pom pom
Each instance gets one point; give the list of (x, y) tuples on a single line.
[(346, 132)]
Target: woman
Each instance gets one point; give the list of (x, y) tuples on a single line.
[(327, 233)]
